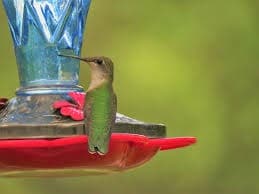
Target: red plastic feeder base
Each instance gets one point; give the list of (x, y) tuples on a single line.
[(69, 156)]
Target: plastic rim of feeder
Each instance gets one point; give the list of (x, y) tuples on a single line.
[(66, 157)]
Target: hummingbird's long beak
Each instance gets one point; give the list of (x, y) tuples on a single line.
[(87, 59)]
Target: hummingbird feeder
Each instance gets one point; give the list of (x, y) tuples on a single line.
[(42, 132)]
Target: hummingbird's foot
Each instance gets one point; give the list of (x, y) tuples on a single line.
[(97, 150)]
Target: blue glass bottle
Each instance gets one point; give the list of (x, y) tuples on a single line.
[(41, 29)]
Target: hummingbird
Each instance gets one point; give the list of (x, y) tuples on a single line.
[(100, 103)]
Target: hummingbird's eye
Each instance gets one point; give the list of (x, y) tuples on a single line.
[(99, 61)]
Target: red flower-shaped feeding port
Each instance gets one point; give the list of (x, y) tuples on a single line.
[(73, 109), (3, 103)]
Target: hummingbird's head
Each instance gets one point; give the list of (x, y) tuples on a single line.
[(101, 67)]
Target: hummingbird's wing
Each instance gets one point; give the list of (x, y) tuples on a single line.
[(100, 112), (114, 109)]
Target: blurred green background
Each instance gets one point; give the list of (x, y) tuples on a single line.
[(192, 65)]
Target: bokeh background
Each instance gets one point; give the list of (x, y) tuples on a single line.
[(192, 65)]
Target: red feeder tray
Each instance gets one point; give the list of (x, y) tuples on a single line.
[(57, 146), (69, 156)]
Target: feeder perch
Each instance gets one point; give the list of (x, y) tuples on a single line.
[(36, 141)]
